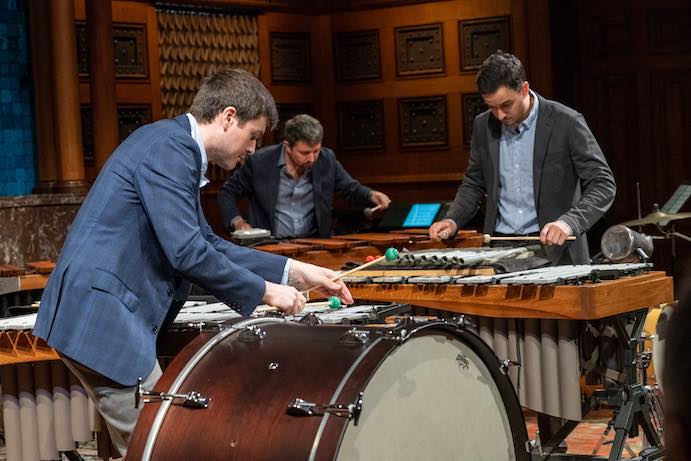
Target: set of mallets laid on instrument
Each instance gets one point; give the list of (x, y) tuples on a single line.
[(390, 255), (486, 238)]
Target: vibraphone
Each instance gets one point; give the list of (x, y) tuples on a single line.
[(533, 318), (335, 252)]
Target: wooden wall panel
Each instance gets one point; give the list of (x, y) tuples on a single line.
[(630, 75), (611, 93), (134, 86), (413, 173)]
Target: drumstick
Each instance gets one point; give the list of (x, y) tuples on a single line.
[(334, 302), (391, 254), (488, 238), (370, 211)]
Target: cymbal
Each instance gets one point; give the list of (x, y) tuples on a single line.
[(657, 217)]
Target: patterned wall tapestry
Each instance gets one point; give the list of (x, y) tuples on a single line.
[(194, 44)]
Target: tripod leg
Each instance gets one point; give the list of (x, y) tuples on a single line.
[(622, 424)]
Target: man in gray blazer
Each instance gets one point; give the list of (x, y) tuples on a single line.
[(536, 162), (291, 185), (140, 238)]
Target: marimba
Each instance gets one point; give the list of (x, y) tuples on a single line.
[(535, 318), (336, 251), (45, 408), (22, 285)]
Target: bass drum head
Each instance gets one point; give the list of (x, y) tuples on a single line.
[(435, 397), (659, 341)]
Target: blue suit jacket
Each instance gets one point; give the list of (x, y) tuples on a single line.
[(259, 179), (139, 234)]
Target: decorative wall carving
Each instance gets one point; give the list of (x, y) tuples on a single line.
[(290, 57), (481, 37), (419, 50), (130, 117), (670, 30), (357, 55), (288, 111), (129, 49), (361, 125), (423, 122), (472, 105), (610, 36), (193, 46)]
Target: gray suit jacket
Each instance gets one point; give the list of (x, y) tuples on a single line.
[(571, 179)]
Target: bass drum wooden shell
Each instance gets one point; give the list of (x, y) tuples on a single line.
[(439, 394)]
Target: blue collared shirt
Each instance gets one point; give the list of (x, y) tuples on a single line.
[(197, 136), (294, 214), (517, 213)]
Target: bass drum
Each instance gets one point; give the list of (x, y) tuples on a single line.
[(429, 391), (655, 329)]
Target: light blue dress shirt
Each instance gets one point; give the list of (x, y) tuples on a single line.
[(197, 136), (517, 213), (294, 214)]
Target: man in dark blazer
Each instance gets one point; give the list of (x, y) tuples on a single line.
[(140, 238), (536, 163), (291, 185)]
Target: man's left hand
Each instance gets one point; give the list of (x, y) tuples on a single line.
[(380, 199), (304, 276), (555, 233)]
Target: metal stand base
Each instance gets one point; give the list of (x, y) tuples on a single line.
[(631, 402)]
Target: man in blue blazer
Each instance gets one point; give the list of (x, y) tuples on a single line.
[(291, 185), (536, 164), (140, 238)]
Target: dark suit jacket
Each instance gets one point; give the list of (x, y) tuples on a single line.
[(139, 233), (571, 179), (258, 178)]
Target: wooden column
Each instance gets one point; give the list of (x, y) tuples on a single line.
[(68, 132), (42, 70), (99, 33)]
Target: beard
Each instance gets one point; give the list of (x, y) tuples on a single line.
[(302, 169)]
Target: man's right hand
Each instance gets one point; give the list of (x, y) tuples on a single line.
[(284, 297), (442, 230), (239, 223)]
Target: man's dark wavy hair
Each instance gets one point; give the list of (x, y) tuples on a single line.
[(500, 69)]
